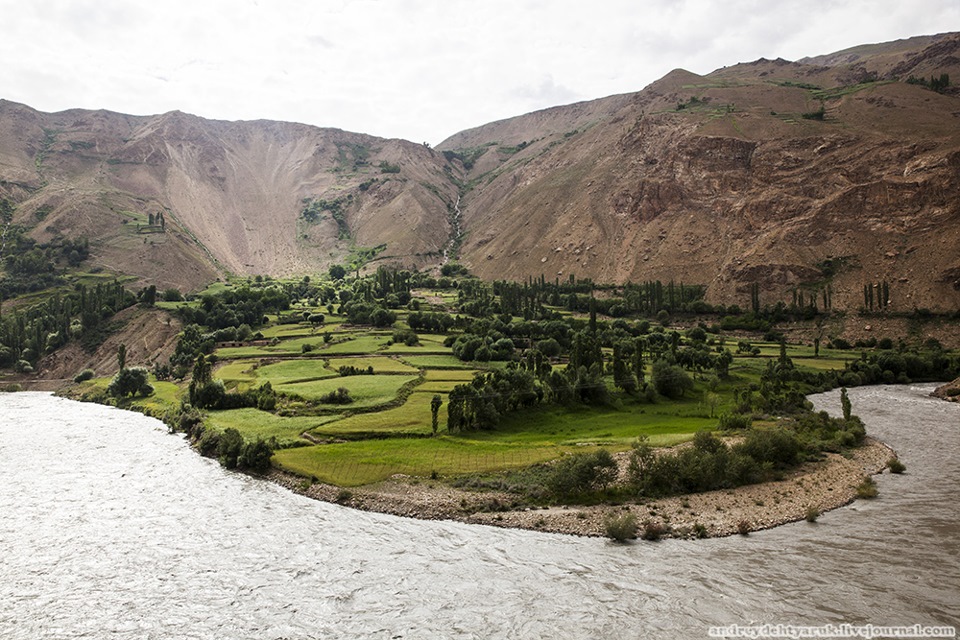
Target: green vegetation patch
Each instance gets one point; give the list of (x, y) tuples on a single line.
[(380, 364), (365, 462), (438, 361), (413, 416), (290, 371), (460, 375), (366, 391), (253, 424), (665, 424), (362, 345)]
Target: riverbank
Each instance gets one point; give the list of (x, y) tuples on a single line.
[(823, 485)]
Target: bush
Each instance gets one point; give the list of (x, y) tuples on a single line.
[(743, 527), (582, 472), (896, 466), (256, 456), (777, 446), (867, 489), (620, 528), (84, 375), (669, 380), (735, 421), (130, 382), (653, 530), (229, 448), (812, 514), (340, 396)]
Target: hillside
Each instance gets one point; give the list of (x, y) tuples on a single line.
[(232, 194), (810, 178), (721, 180)]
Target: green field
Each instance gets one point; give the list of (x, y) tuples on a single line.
[(253, 424), (368, 461), (366, 391), (286, 372), (380, 364)]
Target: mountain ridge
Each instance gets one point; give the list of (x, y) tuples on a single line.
[(759, 174)]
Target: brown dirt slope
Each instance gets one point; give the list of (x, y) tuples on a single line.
[(149, 334), (721, 180), (232, 192), (797, 176)]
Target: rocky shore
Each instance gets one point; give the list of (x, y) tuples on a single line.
[(823, 485), (949, 392)]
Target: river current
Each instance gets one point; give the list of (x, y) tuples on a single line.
[(112, 528)]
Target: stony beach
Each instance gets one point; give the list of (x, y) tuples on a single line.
[(823, 485)]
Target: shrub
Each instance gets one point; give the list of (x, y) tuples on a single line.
[(340, 396), (867, 489), (229, 448), (699, 530), (84, 375), (130, 382), (582, 472), (735, 421), (343, 496), (777, 446), (896, 466), (256, 456), (812, 514), (621, 528), (670, 380), (653, 530), (743, 527)]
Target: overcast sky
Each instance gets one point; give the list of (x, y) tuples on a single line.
[(415, 69)]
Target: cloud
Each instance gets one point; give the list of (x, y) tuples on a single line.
[(545, 94), (417, 69)]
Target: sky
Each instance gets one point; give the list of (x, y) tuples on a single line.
[(415, 69)]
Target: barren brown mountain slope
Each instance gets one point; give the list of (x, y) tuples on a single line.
[(828, 173), (232, 193), (721, 180)]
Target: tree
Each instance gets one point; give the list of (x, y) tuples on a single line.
[(229, 447), (148, 296), (337, 272), (255, 456), (622, 377), (201, 370), (845, 403), (638, 364), (122, 356), (435, 403), (670, 380), (130, 382)]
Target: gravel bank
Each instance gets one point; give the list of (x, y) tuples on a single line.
[(823, 485)]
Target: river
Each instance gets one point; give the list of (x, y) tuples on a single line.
[(112, 528)]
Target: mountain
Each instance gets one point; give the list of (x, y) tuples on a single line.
[(791, 175), (232, 194), (815, 177)]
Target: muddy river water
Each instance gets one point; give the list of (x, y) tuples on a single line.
[(112, 528)]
